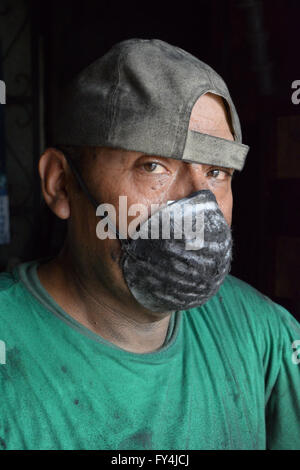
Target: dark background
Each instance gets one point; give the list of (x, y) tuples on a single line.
[(253, 44)]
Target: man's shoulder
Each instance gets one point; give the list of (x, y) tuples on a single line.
[(240, 314), (240, 307), (235, 288), (7, 280), (9, 287), (13, 294), (249, 303)]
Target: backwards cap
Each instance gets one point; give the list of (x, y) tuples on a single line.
[(139, 96)]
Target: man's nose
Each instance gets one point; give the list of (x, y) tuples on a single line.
[(190, 179), (195, 177)]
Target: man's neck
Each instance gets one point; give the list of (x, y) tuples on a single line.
[(98, 311)]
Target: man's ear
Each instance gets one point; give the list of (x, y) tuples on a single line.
[(53, 170)]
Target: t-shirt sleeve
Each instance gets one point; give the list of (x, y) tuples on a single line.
[(283, 390)]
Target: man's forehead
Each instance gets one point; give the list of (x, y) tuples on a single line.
[(209, 115)]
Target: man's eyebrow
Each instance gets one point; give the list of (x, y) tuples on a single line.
[(166, 160), (212, 165)]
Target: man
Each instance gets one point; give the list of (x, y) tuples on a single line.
[(134, 343)]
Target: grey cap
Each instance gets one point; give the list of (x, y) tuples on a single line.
[(139, 96)]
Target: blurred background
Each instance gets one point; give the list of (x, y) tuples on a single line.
[(252, 44)]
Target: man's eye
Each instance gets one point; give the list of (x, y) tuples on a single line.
[(153, 167), (219, 174)]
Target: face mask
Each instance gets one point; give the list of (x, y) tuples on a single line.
[(179, 274), (183, 270)]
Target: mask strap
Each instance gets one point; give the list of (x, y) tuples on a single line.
[(86, 191)]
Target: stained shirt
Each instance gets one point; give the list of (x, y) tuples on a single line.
[(226, 377)]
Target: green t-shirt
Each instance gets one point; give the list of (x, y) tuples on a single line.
[(227, 376)]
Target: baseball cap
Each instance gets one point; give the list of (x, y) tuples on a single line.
[(139, 96)]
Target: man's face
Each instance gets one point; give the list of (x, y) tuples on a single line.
[(144, 179)]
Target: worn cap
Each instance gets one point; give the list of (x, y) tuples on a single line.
[(139, 96)]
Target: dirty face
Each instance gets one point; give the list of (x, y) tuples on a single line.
[(144, 179)]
